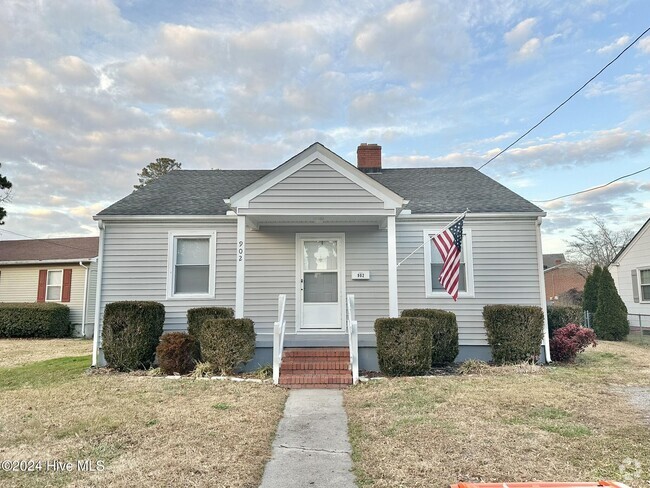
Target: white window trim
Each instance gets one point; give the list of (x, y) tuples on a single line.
[(469, 265), (173, 236), (638, 280), (47, 285)]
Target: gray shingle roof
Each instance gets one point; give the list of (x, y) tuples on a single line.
[(430, 190), (451, 190)]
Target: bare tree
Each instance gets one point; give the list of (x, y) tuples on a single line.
[(590, 247)]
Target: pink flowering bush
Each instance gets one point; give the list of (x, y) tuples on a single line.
[(570, 340)]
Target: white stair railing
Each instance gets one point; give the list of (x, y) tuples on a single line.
[(353, 339), (278, 338)]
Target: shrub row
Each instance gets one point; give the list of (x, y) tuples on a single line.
[(514, 332), (412, 343), (43, 320), (559, 316), (132, 338)]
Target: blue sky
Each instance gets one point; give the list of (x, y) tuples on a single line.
[(90, 92)]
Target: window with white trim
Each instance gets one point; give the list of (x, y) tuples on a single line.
[(191, 264), (433, 266), (54, 285), (644, 284)]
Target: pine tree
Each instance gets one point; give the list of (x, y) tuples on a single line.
[(610, 321), (156, 169), (590, 295)]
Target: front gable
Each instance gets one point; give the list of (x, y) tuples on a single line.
[(316, 182)]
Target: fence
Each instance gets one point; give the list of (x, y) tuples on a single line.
[(639, 323)]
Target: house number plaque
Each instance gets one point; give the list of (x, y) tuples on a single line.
[(360, 275)]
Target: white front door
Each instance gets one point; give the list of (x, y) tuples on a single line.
[(321, 281)]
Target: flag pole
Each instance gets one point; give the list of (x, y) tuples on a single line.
[(442, 230)]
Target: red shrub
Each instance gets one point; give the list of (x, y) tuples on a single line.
[(177, 353), (570, 340)]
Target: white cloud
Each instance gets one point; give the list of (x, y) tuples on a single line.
[(617, 45), (521, 33), (644, 45), (416, 40)]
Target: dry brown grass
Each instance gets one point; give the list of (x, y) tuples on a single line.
[(16, 352), (566, 424), (148, 431)]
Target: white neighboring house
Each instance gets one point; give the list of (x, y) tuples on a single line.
[(52, 270), (631, 272), (315, 229)]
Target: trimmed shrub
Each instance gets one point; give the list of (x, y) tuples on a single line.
[(131, 333), (404, 345), (444, 347), (610, 320), (227, 343), (559, 316), (570, 340), (590, 294), (514, 332), (177, 353), (196, 317), (45, 320)]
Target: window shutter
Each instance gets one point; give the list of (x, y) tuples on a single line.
[(42, 282), (67, 283), (635, 286)]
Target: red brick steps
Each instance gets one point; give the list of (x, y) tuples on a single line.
[(316, 367)]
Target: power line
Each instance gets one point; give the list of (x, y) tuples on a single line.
[(564, 102), (592, 189), (50, 241)]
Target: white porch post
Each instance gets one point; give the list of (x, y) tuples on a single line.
[(392, 268), (241, 266)]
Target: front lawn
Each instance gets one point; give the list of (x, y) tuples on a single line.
[(16, 352), (147, 431), (565, 423)]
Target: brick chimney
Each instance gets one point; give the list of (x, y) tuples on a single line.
[(369, 158)]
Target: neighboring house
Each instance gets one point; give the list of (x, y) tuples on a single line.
[(52, 270), (631, 272), (552, 260), (561, 278), (317, 228)]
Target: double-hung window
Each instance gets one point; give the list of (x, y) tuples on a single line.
[(644, 284), (433, 266), (191, 264), (54, 285)]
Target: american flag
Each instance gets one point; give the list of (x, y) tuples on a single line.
[(449, 243)]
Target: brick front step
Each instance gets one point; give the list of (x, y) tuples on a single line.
[(292, 364), (317, 352), (324, 379), (316, 367)]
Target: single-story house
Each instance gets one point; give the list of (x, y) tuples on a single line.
[(316, 229), (52, 270), (631, 272)]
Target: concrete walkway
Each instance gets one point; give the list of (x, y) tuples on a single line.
[(311, 448)]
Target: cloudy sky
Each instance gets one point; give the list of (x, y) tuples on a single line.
[(92, 91)]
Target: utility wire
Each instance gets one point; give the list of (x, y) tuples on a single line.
[(50, 241), (592, 189), (564, 102)]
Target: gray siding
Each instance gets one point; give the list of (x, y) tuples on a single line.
[(504, 263), (135, 266), (505, 271), (271, 270), (316, 186), (636, 257)]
